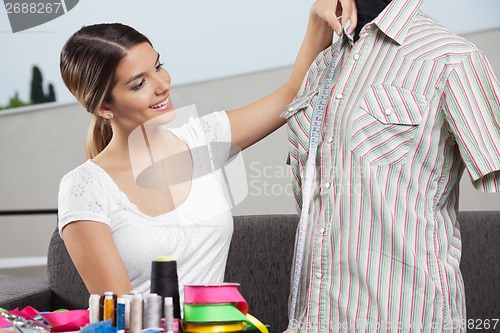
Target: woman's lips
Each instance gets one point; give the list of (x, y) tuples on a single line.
[(162, 106)]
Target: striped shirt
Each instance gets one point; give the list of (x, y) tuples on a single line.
[(412, 105)]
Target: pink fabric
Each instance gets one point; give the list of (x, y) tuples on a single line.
[(64, 321), (215, 293), (4, 323), (27, 313), (72, 320)]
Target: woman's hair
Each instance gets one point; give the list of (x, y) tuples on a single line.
[(88, 64)]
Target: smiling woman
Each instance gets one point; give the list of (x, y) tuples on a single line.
[(116, 74), (141, 90), (112, 226)]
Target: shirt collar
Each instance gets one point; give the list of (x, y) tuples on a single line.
[(396, 18)]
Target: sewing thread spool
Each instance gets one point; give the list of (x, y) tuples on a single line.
[(109, 308), (136, 305), (120, 315), (164, 281), (152, 311), (169, 314), (101, 308), (94, 304), (127, 298)]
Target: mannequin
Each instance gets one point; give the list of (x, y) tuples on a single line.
[(367, 11)]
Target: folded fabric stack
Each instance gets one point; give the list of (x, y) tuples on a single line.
[(217, 308)]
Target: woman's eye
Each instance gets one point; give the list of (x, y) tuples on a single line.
[(159, 66), (139, 85)]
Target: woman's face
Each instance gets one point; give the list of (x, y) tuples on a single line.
[(142, 89)]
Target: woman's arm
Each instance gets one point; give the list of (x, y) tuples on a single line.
[(251, 123), (93, 251)]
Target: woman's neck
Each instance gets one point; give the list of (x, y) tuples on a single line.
[(138, 149)]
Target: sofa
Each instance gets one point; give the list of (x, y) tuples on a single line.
[(259, 259)]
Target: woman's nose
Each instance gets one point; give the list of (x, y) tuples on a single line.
[(162, 83)]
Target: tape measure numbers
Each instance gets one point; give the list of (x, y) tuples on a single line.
[(316, 124)]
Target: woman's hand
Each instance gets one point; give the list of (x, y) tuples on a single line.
[(331, 10)]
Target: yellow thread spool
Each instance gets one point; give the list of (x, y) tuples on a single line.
[(109, 307)]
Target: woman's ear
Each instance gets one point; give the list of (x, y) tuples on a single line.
[(105, 111)]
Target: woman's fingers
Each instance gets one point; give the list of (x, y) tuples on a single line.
[(329, 10), (326, 10), (349, 13)]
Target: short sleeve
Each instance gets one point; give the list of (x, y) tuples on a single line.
[(217, 131), (472, 108), (81, 198), (217, 128)]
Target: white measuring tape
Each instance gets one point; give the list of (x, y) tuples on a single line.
[(317, 121)]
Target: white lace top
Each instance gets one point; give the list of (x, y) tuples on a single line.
[(196, 234)]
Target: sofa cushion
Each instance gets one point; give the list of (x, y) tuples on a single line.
[(68, 289), (19, 292)]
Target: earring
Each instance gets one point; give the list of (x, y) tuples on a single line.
[(110, 115)]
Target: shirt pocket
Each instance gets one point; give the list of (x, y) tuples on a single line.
[(300, 103), (385, 125), (299, 115)]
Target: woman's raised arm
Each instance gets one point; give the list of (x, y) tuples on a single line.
[(253, 122)]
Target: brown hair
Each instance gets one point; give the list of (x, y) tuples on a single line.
[(88, 65)]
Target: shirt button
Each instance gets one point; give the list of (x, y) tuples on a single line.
[(339, 96), (356, 56), (319, 275), (328, 185), (388, 111), (322, 231), (330, 140)]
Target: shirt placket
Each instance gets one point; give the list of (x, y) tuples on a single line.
[(330, 172)]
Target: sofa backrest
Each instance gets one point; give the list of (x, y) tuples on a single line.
[(260, 259), (480, 266), (68, 289)]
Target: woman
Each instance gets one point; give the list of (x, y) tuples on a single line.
[(113, 227)]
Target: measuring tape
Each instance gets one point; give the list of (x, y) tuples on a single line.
[(317, 121)]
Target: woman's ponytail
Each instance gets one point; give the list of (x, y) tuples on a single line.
[(98, 137)]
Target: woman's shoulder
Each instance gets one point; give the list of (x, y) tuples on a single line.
[(86, 173), (212, 127), (83, 196), (83, 169)]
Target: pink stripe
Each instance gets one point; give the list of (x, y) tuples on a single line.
[(491, 107), (459, 133)]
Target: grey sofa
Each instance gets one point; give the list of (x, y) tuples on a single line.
[(260, 257)]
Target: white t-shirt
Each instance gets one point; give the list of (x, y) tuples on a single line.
[(196, 234)]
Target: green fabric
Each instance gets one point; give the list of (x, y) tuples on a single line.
[(213, 313)]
